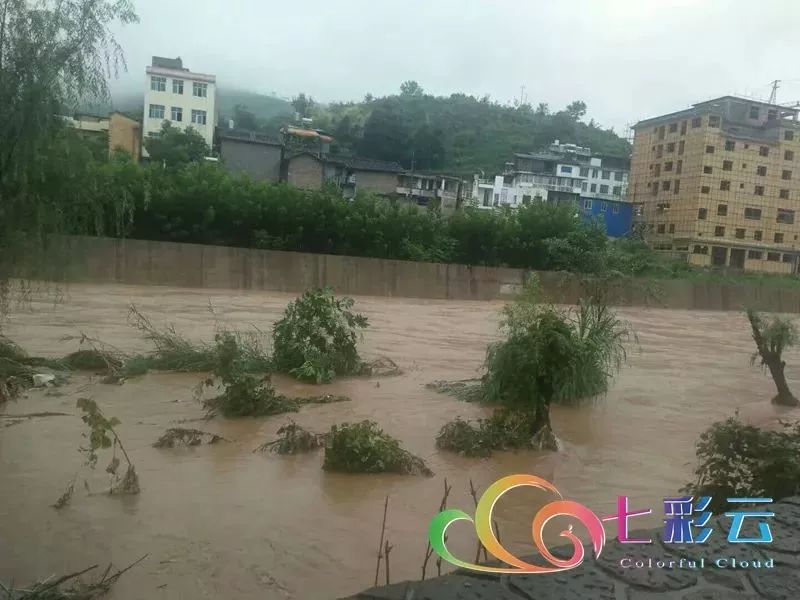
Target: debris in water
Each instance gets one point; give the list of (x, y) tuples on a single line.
[(64, 498), (43, 379), (381, 367), (468, 390), (179, 436), (294, 440)]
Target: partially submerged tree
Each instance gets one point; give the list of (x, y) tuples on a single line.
[(176, 146), (317, 337), (549, 355), (772, 337)]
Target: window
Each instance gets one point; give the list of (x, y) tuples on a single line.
[(725, 185), (700, 250), (788, 135), (603, 206), (713, 121), (697, 122), (662, 207), (199, 117), (671, 147), (606, 174), (681, 146), (668, 166), (156, 111), (615, 209), (661, 228), (786, 175), (722, 210), (753, 112), (603, 189), (683, 127), (772, 114), (788, 155), (702, 213), (761, 170), (673, 127), (752, 213), (154, 134), (787, 258), (677, 186), (660, 130), (566, 169), (659, 154), (763, 151), (727, 165), (584, 186), (617, 191), (785, 216), (730, 145), (665, 185), (587, 204), (708, 170), (740, 233), (619, 176), (778, 238), (705, 189), (774, 256), (200, 89), (709, 149), (754, 254), (759, 191), (594, 173), (584, 171), (757, 235), (672, 227), (655, 188), (678, 167), (177, 86), (657, 170), (719, 231), (177, 114), (593, 188), (783, 194), (158, 83)]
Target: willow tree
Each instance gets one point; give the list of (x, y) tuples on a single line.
[(772, 337), (54, 55)]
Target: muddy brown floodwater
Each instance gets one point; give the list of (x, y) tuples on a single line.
[(222, 522)]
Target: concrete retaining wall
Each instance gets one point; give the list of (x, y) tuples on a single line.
[(107, 260)]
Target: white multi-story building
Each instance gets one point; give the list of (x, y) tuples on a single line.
[(180, 96)]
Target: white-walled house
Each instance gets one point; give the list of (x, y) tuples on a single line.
[(180, 96)]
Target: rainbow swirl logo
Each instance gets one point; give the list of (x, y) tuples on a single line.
[(483, 527)]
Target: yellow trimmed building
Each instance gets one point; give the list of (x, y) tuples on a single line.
[(719, 183)]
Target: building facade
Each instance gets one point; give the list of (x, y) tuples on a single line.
[(564, 173), (311, 171), (125, 134), (719, 183), (252, 153), (442, 191), (184, 98)]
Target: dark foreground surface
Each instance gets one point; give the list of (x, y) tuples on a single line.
[(605, 579)]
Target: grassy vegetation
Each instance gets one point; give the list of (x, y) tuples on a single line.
[(365, 448), (740, 460), (504, 430)]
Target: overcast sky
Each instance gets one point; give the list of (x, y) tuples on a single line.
[(627, 59)]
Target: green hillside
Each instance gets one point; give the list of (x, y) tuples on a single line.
[(263, 107)]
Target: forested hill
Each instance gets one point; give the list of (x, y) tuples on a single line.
[(457, 133)]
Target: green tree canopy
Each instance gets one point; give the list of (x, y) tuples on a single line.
[(177, 146)]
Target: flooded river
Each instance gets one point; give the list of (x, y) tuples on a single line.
[(222, 522)]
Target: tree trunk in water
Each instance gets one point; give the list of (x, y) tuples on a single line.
[(543, 436), (784, 397)]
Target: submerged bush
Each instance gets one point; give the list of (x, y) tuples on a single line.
[(293, 440), (365, 448), (317, 336), (504, 430), (740, 460), (244, 394)]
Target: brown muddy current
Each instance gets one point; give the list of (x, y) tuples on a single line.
[(222, 522)]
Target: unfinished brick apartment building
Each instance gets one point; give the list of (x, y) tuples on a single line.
[(719, 183)]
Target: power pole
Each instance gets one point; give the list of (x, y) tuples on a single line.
[(773, 97)]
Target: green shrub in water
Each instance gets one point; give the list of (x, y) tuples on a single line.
[(740, 460), (365, 448), (317, 336)]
